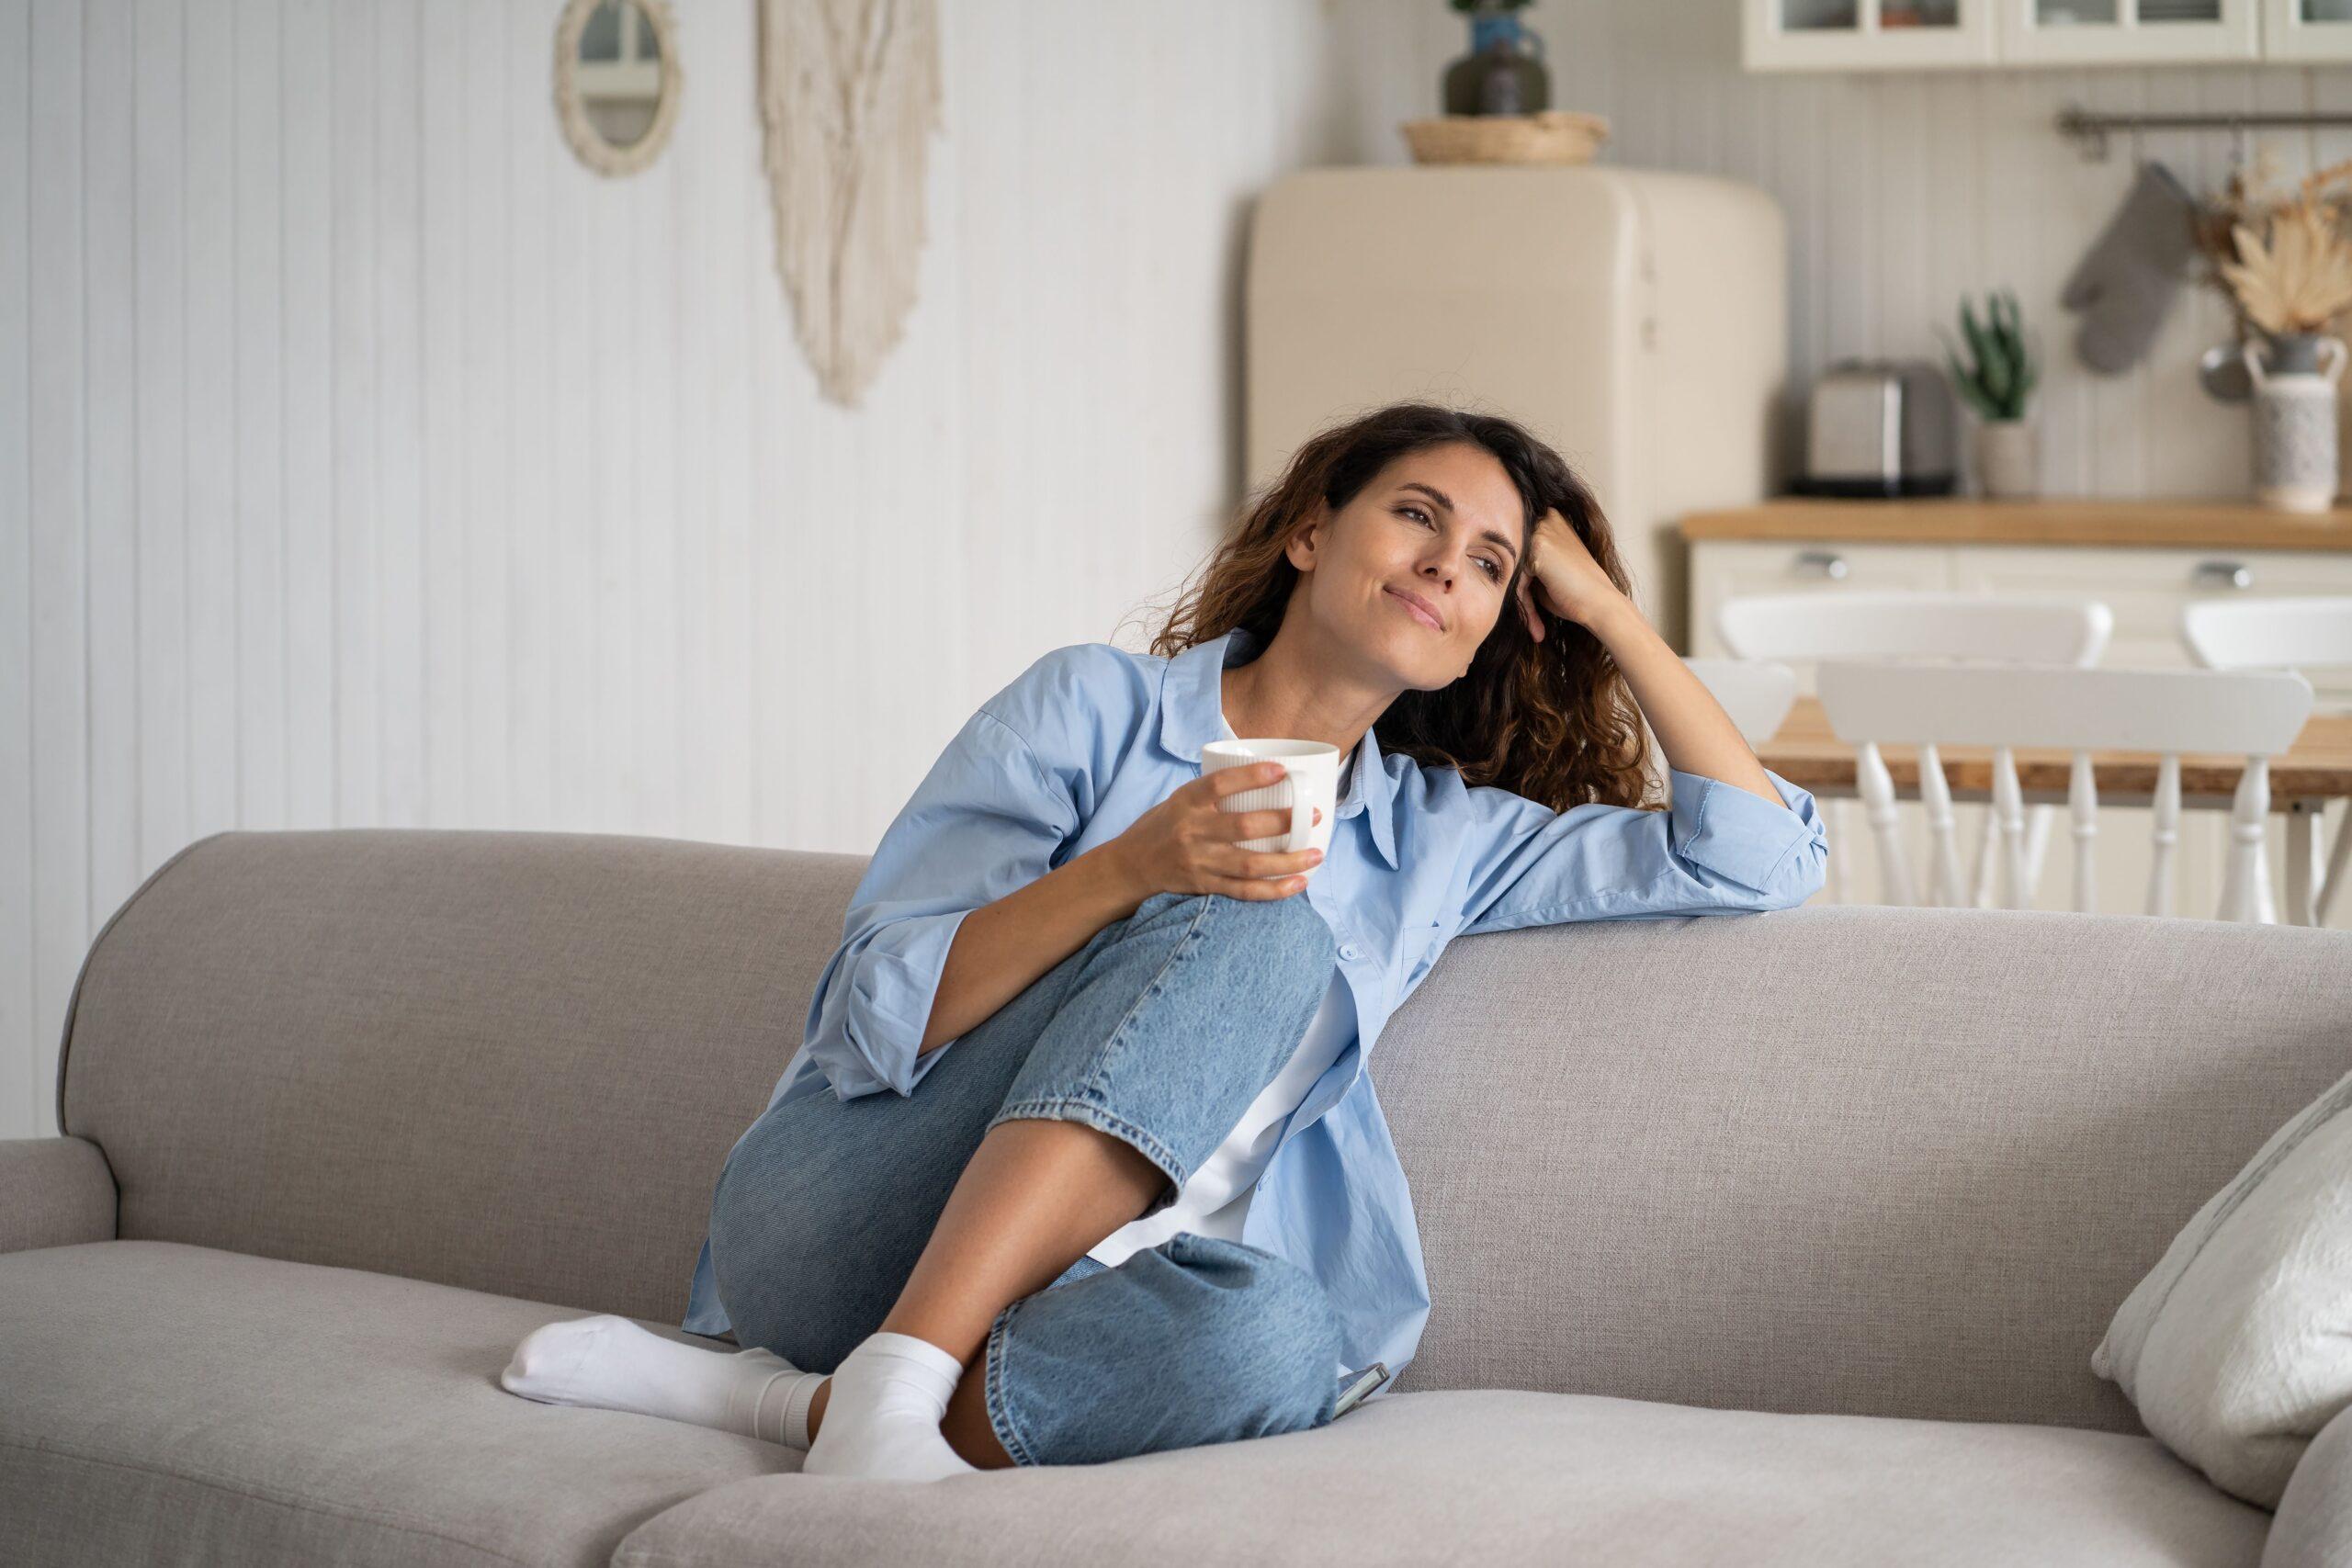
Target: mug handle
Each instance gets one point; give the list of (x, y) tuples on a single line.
[(2332, 369), (1302, 815)]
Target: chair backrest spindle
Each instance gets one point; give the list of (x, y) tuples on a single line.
[(2081, 712)]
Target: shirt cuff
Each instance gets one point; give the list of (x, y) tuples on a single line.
[(892, 986), (1737, 834)]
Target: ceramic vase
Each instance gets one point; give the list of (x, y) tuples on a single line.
[(1503, 73), (2294, 420), (2008, 458)]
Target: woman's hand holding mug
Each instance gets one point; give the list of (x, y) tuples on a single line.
[(1188, 844)]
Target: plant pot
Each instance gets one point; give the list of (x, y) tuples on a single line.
[(2294, 422), (2008, 459)]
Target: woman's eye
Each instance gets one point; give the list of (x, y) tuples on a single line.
[(1494, 572)]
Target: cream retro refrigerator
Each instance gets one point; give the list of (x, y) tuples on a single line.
[(1636, 319)]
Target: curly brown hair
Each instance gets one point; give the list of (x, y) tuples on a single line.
[(1554, 721)]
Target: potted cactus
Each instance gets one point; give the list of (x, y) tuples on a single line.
[(1997, 379)]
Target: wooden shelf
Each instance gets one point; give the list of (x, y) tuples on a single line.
[(2175, 524)]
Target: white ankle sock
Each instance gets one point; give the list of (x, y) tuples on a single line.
[(610, 1363), (882, 1417)]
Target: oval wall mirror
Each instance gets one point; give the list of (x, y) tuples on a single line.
[(617, 80)]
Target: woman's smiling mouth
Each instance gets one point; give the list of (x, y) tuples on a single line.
[(1418, 608)]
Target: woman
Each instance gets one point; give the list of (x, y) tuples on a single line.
[(1148, 1199)]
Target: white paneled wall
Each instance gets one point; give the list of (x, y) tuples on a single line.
[(366, 461)]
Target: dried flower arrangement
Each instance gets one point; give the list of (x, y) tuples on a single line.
[(2284, 263)]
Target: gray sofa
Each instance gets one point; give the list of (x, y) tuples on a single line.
[(1754, 1239)]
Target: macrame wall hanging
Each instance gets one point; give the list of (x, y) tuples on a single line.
[(849, 97)]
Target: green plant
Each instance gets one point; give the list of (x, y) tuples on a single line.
[(2001, 368)]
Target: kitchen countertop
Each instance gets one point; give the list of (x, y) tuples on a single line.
[(2220, 524)]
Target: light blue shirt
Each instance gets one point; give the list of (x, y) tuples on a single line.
[(1089, 737)]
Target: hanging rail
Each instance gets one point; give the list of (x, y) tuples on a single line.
[(2093, 129)]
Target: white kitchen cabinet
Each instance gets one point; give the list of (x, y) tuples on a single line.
[(1904, 35), (2307, 29), (1847, 35), (2133, 32), (1729, 568), (2147, 589)]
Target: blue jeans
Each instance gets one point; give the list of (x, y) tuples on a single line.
[(1159, 1031)]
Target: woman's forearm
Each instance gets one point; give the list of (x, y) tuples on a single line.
[(1001, 949), (1692, 729)]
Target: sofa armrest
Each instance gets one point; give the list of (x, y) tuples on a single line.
[(58, 1192), (2313, 1528)]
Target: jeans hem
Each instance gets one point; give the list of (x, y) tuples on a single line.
[(1001, 1419), (1067, 1108)]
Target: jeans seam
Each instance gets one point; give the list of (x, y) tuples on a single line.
[(1102, 1057), (1103, 1119), (1008, 1432)]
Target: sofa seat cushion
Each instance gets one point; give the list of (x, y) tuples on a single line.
[(167, 1403), (1506, 1477)]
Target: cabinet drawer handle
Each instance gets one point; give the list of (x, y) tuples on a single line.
[(1823, 563), (2222, 574)]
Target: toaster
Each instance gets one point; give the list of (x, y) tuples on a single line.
[(1881, 428)]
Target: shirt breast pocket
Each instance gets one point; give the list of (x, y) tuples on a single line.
[(1421, 945)]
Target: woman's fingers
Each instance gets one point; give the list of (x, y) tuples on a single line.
[(1258, 865), (1261, 887), (1269, 823)]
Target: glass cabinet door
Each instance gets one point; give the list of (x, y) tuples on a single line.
[(2094, 32), (2307, 29), (1861, 35)]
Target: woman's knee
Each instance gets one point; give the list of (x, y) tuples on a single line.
[(1270, 1346), (1291, 926), (782, 1262)]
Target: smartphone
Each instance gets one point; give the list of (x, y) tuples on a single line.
[(1354, 1390)]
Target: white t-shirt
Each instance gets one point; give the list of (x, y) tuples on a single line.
[(1216, 1200)]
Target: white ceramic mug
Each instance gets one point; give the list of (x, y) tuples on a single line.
[(1310, 783)]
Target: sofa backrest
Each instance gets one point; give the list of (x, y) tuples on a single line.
[(509, 1061), (1877, 1161), (1899, 1162)]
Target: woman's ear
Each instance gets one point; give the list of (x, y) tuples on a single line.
[(1301, 549)]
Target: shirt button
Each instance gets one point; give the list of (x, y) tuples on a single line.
[(1348, 952)]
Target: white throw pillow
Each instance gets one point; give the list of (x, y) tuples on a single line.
[(2237, 1347)]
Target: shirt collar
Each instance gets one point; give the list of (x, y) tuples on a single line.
[(1192, 711)]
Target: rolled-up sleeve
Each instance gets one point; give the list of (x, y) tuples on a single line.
[(1716, 847), (985, 822)]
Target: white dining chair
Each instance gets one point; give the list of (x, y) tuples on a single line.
[(2030, 628), (2309, 632), (2253, 714), (1756, 692), (2302, 633), (2023, 628)]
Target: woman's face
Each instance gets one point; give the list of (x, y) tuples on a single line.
[(1444, 526)]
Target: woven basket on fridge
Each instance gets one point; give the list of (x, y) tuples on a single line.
[(1551, 136)]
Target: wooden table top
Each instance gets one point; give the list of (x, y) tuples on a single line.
[(2221, 524), (1807, 754)]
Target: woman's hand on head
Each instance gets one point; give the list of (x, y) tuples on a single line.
[(1561, 578), (1187, 844)]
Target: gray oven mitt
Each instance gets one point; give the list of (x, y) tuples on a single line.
[(2126, 281)]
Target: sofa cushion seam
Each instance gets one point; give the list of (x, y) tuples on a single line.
[(239, 1490)]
